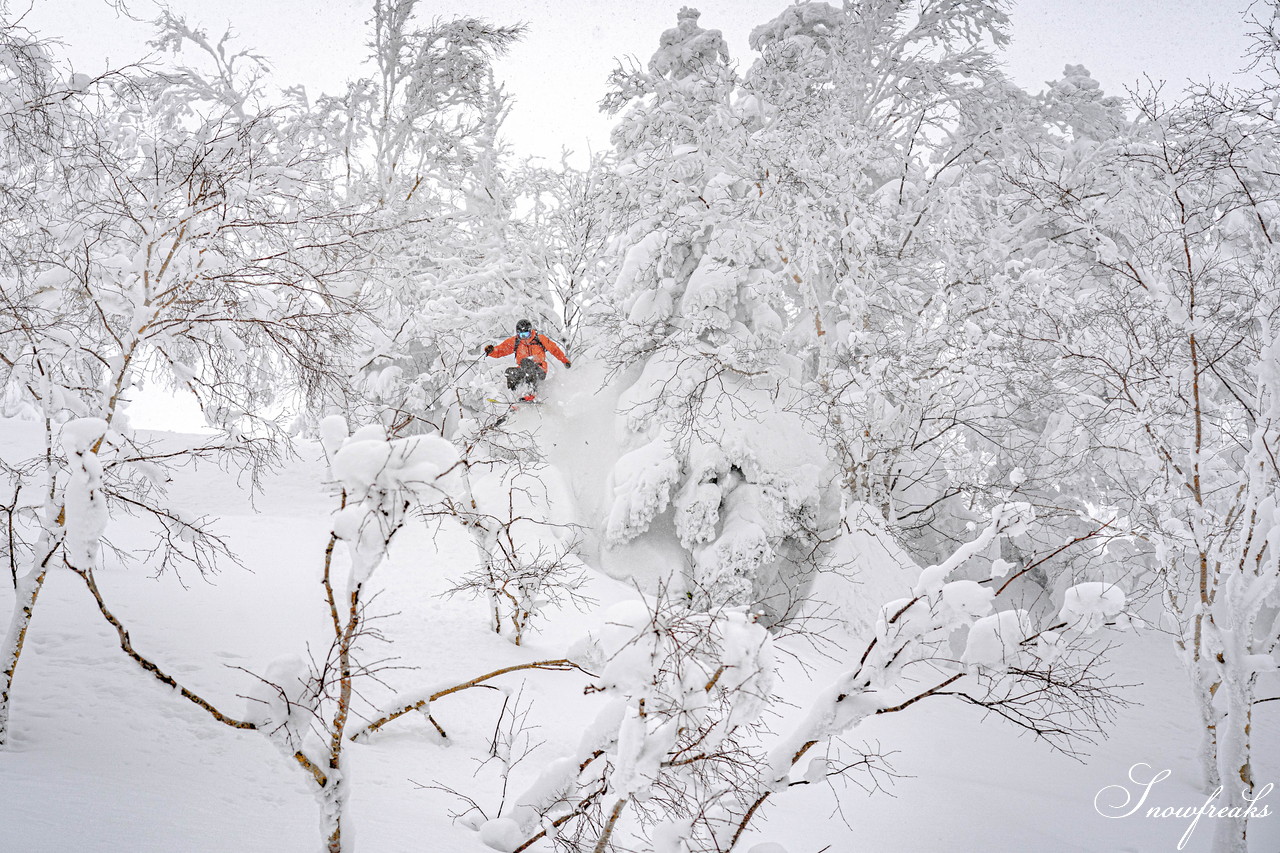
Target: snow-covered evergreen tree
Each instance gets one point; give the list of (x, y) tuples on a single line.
[(716, 454)]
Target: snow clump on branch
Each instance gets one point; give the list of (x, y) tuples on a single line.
[(380, 478)]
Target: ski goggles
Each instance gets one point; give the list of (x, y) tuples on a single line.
[(524, 334)]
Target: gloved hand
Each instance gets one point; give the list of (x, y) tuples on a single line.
[(488, 348), (568, 364)]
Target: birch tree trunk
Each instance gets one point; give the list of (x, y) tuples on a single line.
[(25, 595)]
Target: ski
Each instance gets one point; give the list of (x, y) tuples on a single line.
[(514, 403)]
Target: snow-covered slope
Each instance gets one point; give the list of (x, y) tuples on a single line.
[(104, 758)]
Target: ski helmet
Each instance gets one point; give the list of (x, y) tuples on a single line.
[(524, 327)]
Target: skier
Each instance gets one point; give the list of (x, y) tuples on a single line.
[(530, 350)]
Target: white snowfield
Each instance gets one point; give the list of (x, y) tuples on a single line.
[(104, 759)]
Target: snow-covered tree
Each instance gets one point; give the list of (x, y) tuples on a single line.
[(678, 756), (306, 707), (182, 239), (32, 124), (872, 111), (565, 232), (419, 141), (715, 452), (1158, 311)]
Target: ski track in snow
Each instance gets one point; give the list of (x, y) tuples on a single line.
[(105, 758)]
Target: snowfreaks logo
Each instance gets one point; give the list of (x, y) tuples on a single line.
[(1117, 801)]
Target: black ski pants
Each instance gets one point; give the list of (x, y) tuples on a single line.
[(528, 372)]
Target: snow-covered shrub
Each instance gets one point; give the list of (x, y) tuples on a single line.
[(669, 754), (522, 587), (527, 564), (953, 638)]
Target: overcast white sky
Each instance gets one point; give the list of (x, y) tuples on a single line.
[(558, 72)]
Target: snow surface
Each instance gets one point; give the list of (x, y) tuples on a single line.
[(104, 758)]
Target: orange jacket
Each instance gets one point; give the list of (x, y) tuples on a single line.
[(536, 347)]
